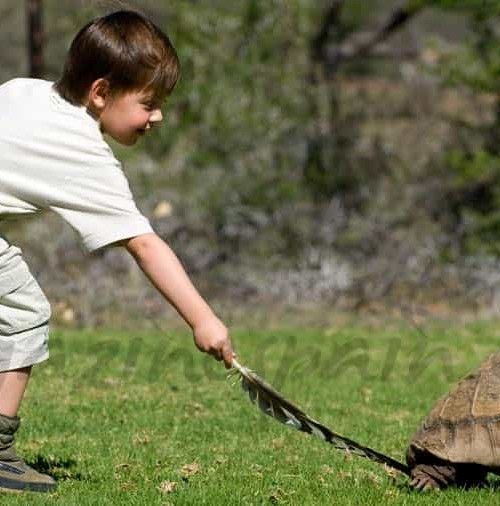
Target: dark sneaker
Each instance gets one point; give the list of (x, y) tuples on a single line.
[(16, 476)]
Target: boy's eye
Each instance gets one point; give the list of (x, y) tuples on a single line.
[(153, 103), (151, 106)]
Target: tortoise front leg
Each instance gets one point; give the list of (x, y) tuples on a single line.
[(435, 476), (424, 483), (428, 471), (427, 477)]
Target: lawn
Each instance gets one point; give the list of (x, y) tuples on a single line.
[(144, 418)]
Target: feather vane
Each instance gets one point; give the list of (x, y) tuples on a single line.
[(273, 404)]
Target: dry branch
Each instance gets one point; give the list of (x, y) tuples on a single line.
[(364, 43)]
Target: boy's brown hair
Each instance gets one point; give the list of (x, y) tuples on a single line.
[(124, 48)]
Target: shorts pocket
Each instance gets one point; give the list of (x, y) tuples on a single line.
[(24, 308)]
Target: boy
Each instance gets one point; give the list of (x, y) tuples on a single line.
[(53, 157)]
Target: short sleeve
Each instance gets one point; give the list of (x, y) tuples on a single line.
[(99, 206)]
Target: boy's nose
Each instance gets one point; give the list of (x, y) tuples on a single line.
[(156, 116)]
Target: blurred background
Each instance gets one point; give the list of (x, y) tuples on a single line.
[(317, 157)]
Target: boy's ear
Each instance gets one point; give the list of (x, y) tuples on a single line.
[(99, 93)]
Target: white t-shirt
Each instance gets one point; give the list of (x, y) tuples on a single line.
[(53, 157)]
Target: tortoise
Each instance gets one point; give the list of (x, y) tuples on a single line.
[(457, 444)]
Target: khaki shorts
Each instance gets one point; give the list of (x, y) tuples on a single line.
[(24, 313)]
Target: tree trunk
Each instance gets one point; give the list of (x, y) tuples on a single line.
[(35, 38)]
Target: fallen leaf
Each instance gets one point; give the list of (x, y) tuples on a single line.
[(344, 475), (327, 469), (123, 465), (167, 487), (140, 439), (391, 472), (188, 470), (391, 493), (127, 486), (373, 478)]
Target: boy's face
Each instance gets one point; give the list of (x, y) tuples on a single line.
[(128, 116)]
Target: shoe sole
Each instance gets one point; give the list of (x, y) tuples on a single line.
[(7, 485)]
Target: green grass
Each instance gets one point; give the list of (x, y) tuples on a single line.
[(113, 415)]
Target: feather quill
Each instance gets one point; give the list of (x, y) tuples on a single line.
[(273, 404)]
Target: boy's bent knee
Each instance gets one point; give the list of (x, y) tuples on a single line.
[(24, 325), (24, 349), (24, 308)]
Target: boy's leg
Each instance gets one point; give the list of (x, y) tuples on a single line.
[(24, 329), (12, 387), (15, 475), (23, 349)]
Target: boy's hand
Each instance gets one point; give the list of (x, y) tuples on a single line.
[(211, 336)]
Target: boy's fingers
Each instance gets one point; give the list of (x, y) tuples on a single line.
[(227, 356), (223, 352)]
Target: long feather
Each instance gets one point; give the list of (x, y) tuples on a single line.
[(273, 404)]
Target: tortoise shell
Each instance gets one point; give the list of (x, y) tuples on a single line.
[(462, 432)]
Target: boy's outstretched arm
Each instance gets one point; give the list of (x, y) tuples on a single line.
[(163, 268)]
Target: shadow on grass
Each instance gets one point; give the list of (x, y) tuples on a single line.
[(60, 469)]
